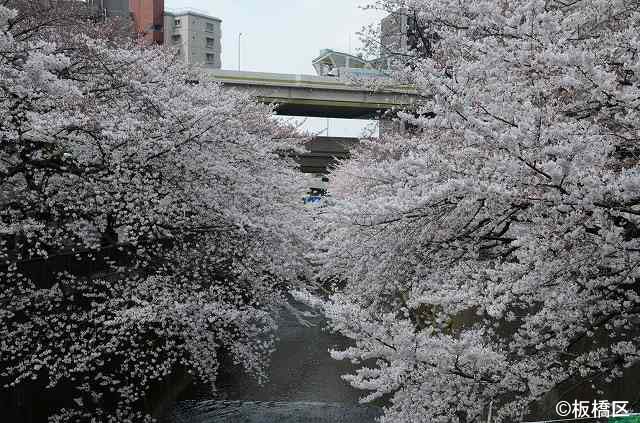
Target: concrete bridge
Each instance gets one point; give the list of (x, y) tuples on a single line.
[(323, 153), (319, 96), (322, 96)]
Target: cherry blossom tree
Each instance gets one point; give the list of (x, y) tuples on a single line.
[(492, 256), (149, 218)]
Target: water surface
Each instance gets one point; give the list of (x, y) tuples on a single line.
[(304, 385)]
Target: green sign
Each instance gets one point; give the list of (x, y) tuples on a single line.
[(626, 419)]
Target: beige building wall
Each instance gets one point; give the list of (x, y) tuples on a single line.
[(197, 36), (393, 34)]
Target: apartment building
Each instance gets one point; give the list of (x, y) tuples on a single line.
[(196, 35), (393, 34), (110, 8), (148, 19)]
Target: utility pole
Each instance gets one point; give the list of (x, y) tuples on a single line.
[(239, 46)]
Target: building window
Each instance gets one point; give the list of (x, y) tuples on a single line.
[(176, 22), (210, 27), (176, 38), (211, 42), (211, 58)]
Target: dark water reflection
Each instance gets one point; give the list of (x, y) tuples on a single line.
[(304, 385), (272, 412)]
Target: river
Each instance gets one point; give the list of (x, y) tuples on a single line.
[(304, 385)]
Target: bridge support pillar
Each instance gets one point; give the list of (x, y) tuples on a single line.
[(389, 127)]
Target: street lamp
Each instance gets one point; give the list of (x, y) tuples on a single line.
[(239, 38)]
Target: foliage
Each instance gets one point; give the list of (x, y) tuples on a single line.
[(493, 255), (141, 217)]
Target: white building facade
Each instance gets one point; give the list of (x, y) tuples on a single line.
[(196, 35)]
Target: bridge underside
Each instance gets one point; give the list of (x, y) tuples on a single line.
[(323, 153), (326, 109)]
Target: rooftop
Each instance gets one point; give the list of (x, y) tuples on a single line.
[(328, 52), (190, 11)]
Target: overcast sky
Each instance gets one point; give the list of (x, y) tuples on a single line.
[(284, 36)]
